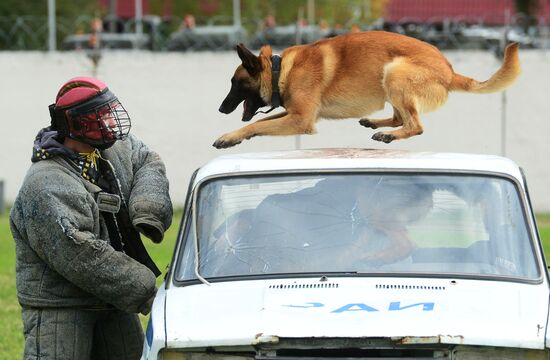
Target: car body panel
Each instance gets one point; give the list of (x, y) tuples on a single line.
[(355, 159), (360, 307), (155, 333)]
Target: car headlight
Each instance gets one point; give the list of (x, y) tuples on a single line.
[(180, 355), (488, 353)]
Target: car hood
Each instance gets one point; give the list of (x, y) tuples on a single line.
[(407, 310)]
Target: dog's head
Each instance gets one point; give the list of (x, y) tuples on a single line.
[(245, 85)]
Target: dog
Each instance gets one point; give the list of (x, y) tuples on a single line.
[(350, 76)]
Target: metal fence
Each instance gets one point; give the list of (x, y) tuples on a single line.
[(31, 32), (168, 34)]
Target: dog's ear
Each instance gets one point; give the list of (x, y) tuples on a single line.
[(250, 61), (266, 51)]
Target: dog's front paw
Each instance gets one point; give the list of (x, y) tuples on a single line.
[(380, 136), (226, 141), (367, 123)]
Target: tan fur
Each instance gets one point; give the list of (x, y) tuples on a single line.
[(265, 76), (352, 76)]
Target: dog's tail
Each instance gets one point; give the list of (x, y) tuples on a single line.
[(500, 80)]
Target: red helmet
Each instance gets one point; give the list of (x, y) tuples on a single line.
[(87, 111)]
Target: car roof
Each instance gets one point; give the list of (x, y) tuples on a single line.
[(356, 159)]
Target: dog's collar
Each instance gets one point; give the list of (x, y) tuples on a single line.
[(275, 94), (275, 73)]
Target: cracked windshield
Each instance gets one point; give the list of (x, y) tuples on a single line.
[(359, 224)]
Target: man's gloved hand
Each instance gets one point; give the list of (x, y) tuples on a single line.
[(145, 308), (150, 231)]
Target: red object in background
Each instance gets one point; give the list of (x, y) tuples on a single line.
[(544, 11), (209, 7), (167, 8), (489, 12), (126, 8)]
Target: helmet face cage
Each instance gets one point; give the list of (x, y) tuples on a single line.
[(99, 121), (103, 125)]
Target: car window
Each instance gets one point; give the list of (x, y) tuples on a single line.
[(359, 223)]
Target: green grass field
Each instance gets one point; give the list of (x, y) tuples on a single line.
[(11, 337)]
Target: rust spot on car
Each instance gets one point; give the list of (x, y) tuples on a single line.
[(333, 153)]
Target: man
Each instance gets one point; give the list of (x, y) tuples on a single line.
[(82, 271)]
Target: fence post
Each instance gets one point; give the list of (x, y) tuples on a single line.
[(2, 207), (52, 33)]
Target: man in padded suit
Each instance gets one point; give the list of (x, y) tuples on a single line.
[(82, 271)]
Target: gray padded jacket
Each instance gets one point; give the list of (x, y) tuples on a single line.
[(64, 257)]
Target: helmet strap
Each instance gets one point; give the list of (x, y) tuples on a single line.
[(58, 121)]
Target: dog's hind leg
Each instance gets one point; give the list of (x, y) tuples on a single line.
[(411, 126), (394, 121), (408, 107), (410, 89)]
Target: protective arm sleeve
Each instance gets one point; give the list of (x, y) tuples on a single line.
[(149, 204), (60, 229)]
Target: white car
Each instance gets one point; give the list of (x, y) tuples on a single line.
[(352, 253)]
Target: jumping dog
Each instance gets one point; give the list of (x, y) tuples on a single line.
[(350, 76)]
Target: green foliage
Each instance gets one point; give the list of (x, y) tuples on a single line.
[(30, 31), (526, 6), (64, 8), (285, 11)]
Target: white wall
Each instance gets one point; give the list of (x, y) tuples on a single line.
[(173, 100)]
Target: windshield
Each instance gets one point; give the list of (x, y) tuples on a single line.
[(359, 223)]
